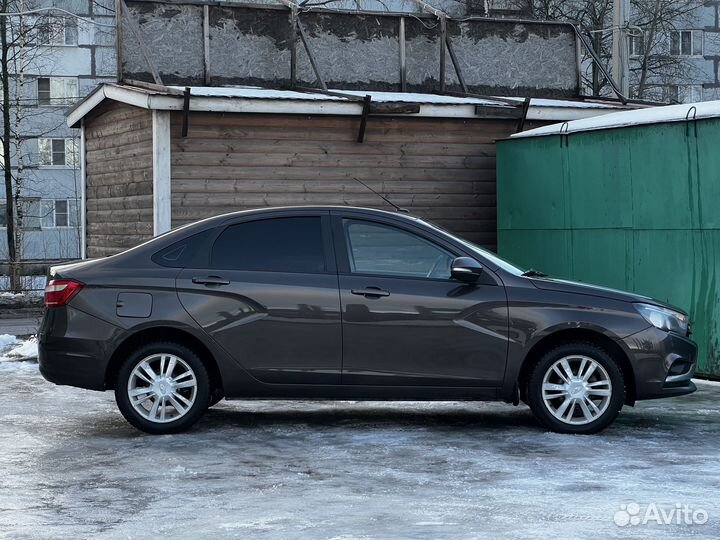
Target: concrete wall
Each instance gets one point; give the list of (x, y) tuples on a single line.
[(252, 45)]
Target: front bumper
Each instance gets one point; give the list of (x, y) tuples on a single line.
[(663, 363), (74, 348)]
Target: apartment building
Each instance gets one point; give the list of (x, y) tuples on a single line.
[(63, 58)]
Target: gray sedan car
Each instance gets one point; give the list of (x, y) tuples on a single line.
[(350, 303)]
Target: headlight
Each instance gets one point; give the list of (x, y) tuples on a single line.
[(663, 318)]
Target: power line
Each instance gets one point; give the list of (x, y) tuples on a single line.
[(66, 12)]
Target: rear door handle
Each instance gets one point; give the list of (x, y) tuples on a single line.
[(370, 292), (210, 280)]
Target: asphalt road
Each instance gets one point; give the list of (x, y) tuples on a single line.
[(20, 327), (71, 468)]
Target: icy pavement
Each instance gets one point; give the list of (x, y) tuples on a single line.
[(71, 468)]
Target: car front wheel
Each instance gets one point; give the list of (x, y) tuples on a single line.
[(576, 388), (162, 388)]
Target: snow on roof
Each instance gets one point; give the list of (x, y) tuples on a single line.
[(653, 115), (253, 92), (250, 99)]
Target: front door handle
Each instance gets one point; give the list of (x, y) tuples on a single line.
[(210, 280), (370, 292)]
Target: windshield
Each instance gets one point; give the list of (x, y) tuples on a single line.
[(489, 255)]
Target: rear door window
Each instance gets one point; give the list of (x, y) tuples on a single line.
[(292, 244)]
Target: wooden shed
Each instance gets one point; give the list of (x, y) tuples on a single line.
[(154, 158)]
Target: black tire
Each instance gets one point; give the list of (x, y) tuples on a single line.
[(542, 411), (195, 411)]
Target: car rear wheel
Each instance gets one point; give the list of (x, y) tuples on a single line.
[(576, 388), (162, 388)]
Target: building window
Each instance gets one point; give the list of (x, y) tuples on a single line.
[(58, 152), (58, 213), (637, 45), (3, 216), (690, 93), (29, 213), (671, 93), (57, 91), (682, 93), (58, 31), (686, 43)]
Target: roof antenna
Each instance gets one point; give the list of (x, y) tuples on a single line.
[(395, 206)]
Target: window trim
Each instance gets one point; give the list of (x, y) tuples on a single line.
[(693, 32), (72, 164), (64, 20), (632, 40), (328, 251), (58, 101)]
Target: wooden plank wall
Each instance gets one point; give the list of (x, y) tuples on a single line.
[(440, 169), (119, 185)]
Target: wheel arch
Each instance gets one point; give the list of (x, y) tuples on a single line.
[(163, 333), (570, 335)]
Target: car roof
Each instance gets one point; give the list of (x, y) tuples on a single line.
[(309, 208)]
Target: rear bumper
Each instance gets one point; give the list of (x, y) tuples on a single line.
[(663, 363), (75, 354)]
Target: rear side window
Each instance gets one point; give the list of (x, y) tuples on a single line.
[(271, 245), (190, 252)]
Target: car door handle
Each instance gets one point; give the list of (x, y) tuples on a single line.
[(210, 280), (370, 292)]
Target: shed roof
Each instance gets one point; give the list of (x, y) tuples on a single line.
[(243, 99), (622, 119)]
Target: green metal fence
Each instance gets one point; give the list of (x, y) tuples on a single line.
[(634, 208)]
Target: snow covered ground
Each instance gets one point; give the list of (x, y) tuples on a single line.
[(14, 349), (71, 467)]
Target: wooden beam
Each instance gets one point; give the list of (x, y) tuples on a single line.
[(155, 87), (118, 39), (206, 43), (363, 118), (403, 67), (427, 8), (161, 172), (334, 93), (525, 109), (135, 29), (497, 113), (314, 65), (398, 107), (443, 39), (293, 47), (186, 111), (83, 193), (456, 64)]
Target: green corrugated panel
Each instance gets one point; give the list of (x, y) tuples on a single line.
[(631, 208)]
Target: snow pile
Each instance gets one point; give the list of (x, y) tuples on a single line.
[(12, 348), (651, 115)]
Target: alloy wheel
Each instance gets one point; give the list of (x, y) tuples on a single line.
[(162, 388), (576, 390)]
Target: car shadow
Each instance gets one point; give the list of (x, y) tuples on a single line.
[(345, 417)]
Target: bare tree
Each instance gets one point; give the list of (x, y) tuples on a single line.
[(652, 21), (654, 63), (21, 33)]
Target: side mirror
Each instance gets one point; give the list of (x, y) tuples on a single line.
[(465, 269)]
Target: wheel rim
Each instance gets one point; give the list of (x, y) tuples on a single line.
[(162, 388), (576, 390)]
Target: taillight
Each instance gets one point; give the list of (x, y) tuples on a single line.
[(58, 292)]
